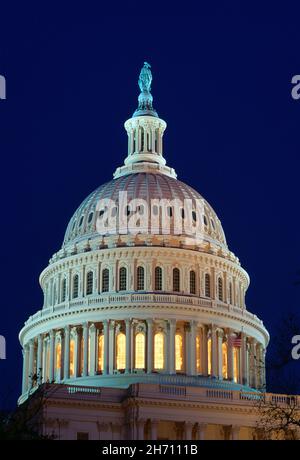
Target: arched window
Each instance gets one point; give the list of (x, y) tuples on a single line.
[(207, 285), (75, 286), (122, 279), (176, 280), (236, 352), (139, 351), (178, 352), (192, 282), (158, 279), (72, 357), (198, 354), (159, 351), (58, 356), (121, 351), (100, 353), (63, 289), (89, 283), (140, 274), (224, 361), (209, 356), (105, 280), (230, 293), (220, 289)]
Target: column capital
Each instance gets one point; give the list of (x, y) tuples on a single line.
[(92, 327)]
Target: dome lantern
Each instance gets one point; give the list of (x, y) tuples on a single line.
[(145, 133)]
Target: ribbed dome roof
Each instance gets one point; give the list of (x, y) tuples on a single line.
[(146, 186)]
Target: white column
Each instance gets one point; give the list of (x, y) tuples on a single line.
[(128, 345), (25, 368), (85, 328), (31, 362), (188, 430), (93, 344), (141, 429), (39, 358), (235, 432), (149, 346), (111, 346), (171, 345), (51, 364), (244, 360), (154, 429), (252, 363), (67, 353), (214, 352), (201, 431), (220, 354), (192, 349), (106, 347), (230, 370)]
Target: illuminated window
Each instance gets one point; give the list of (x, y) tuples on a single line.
[(159, 350), (89, 283), (72, 356), (140, 278), (122, 279), (158, 278), (236, 364), (75, 286), (105, 280), (192, 282), (140, 350), (230, 293), (224, 361), (58, 356), (100, 363), (178, 352), (207, 285), (198, 354), (121, 351), (220, 289), (63, 290), (209, 356), (176, 280)]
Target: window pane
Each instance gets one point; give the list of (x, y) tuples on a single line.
[(178, 352), (140, 351), (72, 351), (121, 350), (123, 279), (207, 285), (209, 356), (100, 353), (224, 361), (89, 283), (159, 350), (198, 354), (158, 279), (140, 278), (176, 280), (58, 356), (192, 282), (105, 280)]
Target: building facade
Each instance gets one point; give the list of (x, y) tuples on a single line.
[(144, 324)]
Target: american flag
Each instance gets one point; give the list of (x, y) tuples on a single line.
[(235, 341)]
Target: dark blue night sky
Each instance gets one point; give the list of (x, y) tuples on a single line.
[(222, 82)]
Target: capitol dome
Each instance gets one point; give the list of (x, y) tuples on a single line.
[(147, 186), (144, 288)]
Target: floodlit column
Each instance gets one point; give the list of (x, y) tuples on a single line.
[(93, 340), (128, 345), (31, 362), (214, 352), (67, 353), (201, 431), (252, 363), (235, 432), (171, 334), (220, 354), (204, 351), (106, 346), (244, 360), (154, 429), (85, 329), (149, 345), (141, 429), (263, 368), (51, 364), (111, 346), (230, 360), (192, 349), (39, 359), (25, 368), (188, 426)]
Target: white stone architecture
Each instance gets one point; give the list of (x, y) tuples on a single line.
[(144, 332)]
